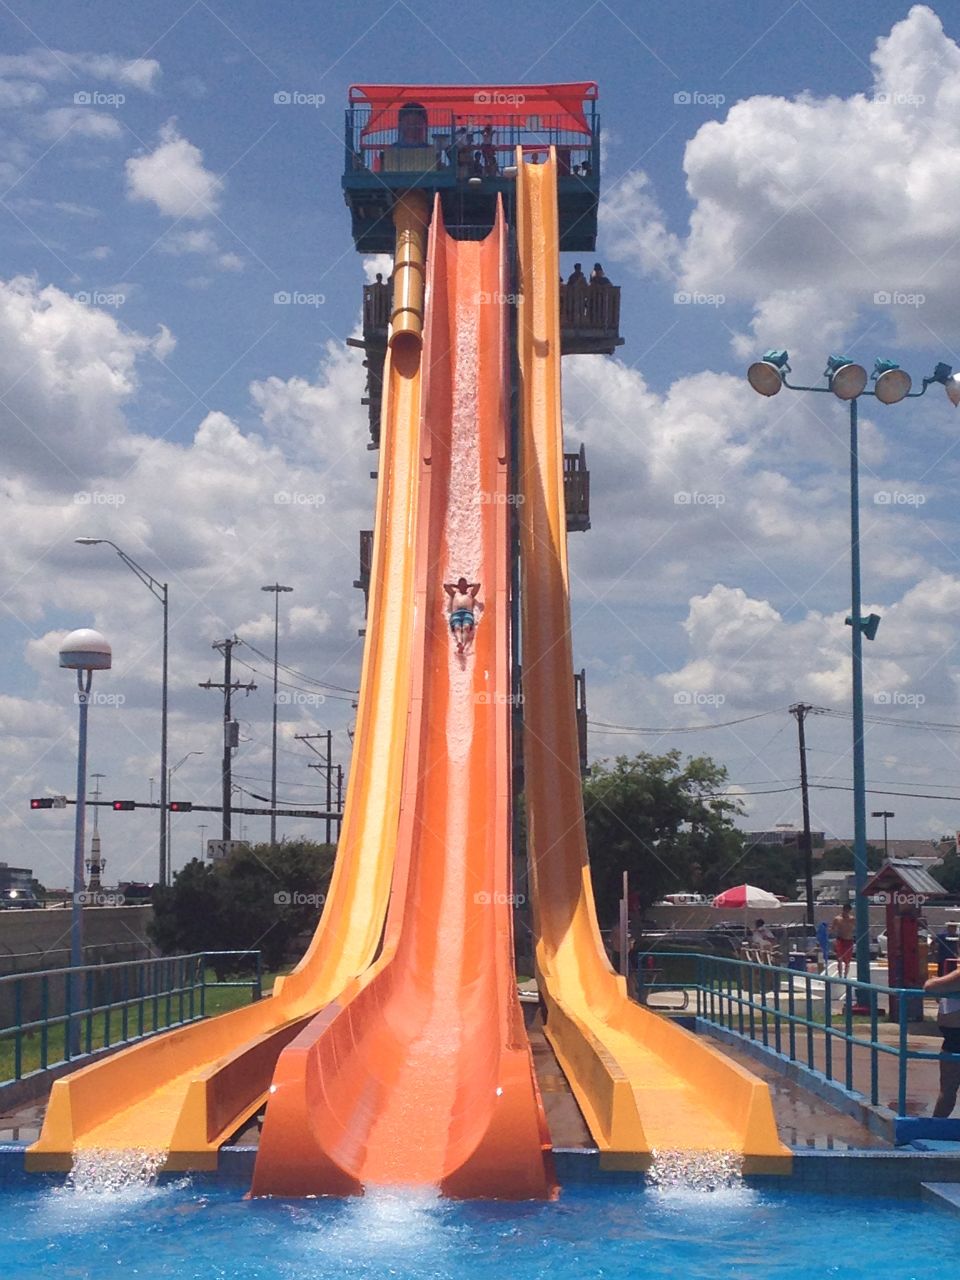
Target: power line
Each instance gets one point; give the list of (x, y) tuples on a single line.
[(301, 675), (605, 727), (894, 721), (284, 782), (824, 786), (287, 685)]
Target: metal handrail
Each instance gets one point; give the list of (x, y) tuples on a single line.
[(123, 964), (155, 994), (724, 1000)]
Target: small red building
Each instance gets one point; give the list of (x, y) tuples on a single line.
[(904, 885)]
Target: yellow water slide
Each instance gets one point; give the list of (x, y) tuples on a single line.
[(643, 1083), (186, 1091)]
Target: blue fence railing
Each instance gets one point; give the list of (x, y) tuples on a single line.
[(829, 1025), (55, 1016)]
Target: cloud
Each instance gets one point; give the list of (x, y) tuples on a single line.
[(200, 240), (215, 515), (79, 121), (631, 218), (17, 94), (68, 369), (51, 65), (172, 177), (826, 215)]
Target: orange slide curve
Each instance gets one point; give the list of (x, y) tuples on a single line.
[(186, 1091), (420, 1072), (642, 1082)]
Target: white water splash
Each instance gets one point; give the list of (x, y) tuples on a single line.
[(695, 1171), (98, 1172)]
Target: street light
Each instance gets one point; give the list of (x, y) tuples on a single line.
[(169, 828), (83, 651), (160, 591), (276, 589), (848, 381), (884, 814)]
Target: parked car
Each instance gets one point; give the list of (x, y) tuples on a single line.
[(18, 900)]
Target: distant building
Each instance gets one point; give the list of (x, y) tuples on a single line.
[(830, 886), (928, 851), (783, 835)]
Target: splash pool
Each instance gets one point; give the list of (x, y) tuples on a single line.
[(183, 1229)]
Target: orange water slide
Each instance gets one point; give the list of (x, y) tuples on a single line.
[(186, 1091), (642, 1082), (420, 1073)]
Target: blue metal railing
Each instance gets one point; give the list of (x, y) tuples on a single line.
[(120, 1003), (759, 1002)]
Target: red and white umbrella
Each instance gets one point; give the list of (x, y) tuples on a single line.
[(748, 896)]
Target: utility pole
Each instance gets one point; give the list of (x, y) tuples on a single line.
[(329, 779), (327, 766), (800, 710), (339, 801), (876, 813), (276, 589), (231, 735)]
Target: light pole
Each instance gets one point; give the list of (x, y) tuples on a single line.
[(170, 774), (884, 814), (848, 381), (202, 828), (276, 588), (83, 651), (161, 592)]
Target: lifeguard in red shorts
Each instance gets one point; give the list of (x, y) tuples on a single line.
[(843, 929)]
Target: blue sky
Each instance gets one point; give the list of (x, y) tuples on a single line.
[(148, 364)]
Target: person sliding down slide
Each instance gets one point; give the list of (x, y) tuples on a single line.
[(463, 603)]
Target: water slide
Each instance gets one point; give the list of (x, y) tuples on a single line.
[(420, 1073), (642, 1082), (395, 1052), (186, 1091)]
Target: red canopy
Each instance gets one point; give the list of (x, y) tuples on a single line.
[(562, 101)]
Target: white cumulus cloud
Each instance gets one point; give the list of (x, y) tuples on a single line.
[(173, 177), (827, 215)]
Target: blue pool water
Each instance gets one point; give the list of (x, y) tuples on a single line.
[(181, 1229)]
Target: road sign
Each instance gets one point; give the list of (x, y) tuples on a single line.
[(218, 849)]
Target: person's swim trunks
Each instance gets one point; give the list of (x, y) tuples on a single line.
[(844, 948), (461, 618)]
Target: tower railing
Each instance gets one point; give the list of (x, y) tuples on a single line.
[(451, 146)]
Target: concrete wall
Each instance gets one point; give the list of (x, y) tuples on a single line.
[(40, 940)]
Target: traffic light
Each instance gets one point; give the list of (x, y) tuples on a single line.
[(123, 806), (41, 802), (181, 806)]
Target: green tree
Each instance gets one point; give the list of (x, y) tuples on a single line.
[(840, 858), (262, 898), (664, 821), (774, 867), (948, 872)]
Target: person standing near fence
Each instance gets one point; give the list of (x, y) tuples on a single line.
[(947, 990), (844, 927)]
